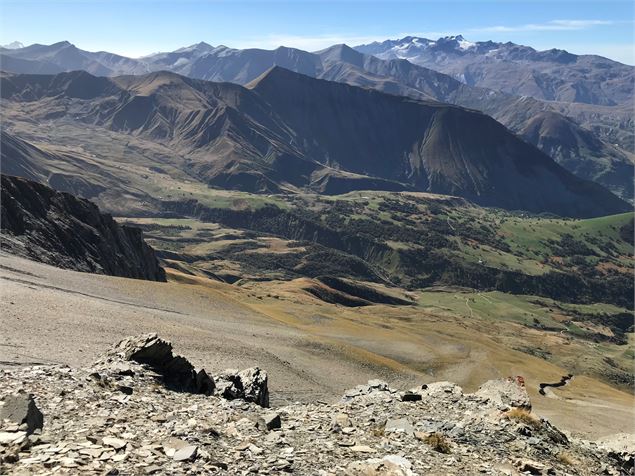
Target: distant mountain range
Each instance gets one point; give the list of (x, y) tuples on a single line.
[(593, 141), (286, 131), (552, 75)]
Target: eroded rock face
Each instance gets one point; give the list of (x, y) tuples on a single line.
[(62, 230), (250, 385), (177, 372)]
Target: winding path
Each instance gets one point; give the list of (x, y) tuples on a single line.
[(563, 381)]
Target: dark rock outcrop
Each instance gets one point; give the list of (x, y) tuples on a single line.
[(250, 385), (65, 231), (177, 372)]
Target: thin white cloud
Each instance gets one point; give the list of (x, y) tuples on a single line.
[(553, 25), (318, 42)]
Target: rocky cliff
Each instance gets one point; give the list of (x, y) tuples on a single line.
[(122, 416), (65, 231)]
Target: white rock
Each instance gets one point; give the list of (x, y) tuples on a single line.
[(186, 453), (116, 443)]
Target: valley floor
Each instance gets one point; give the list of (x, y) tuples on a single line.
[(312, 350)]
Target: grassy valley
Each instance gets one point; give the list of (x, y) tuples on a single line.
[(556, 289)]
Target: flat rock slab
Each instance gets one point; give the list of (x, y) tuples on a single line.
[(399, 425), (186, 453), (116, 443), (20, 408)]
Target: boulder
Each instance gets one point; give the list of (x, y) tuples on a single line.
[(269, 421), (255, 386), (250, 385), (505, 393), (20, 408), (204, 383), (410, 397)]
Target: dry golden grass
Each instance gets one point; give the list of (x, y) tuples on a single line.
[(378, 431), (565, 458), (523, 416), (438, 442)]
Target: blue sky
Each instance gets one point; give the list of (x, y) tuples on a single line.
[(135, 28)]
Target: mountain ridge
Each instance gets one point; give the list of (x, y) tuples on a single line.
[(461, 59), (263, 138), (599, 160)]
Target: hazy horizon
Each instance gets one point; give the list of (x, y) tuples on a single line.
[(139, 28)]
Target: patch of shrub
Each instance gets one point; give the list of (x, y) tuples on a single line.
[(438, 442), (523, 416)]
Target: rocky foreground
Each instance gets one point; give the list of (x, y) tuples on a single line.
[(142, 410)]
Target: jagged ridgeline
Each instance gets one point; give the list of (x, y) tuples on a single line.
[(65, 231), (577, 109), (289, 132)]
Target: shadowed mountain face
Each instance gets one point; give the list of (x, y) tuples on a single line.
[(60, 229), (552, 75), (604, 158), (566, 142), (288, 132)]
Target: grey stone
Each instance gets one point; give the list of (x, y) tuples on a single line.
[(255, 384), (20, 408), (269, 421), (116, 443), (204, 383), (505, 393), (399, 425), (250, 385)]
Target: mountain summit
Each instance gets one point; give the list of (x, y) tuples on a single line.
[(552, 75)]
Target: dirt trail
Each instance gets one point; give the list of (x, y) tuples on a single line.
[(563, 381)]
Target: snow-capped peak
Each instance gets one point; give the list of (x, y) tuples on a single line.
[(464, 44), (14, 45)]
